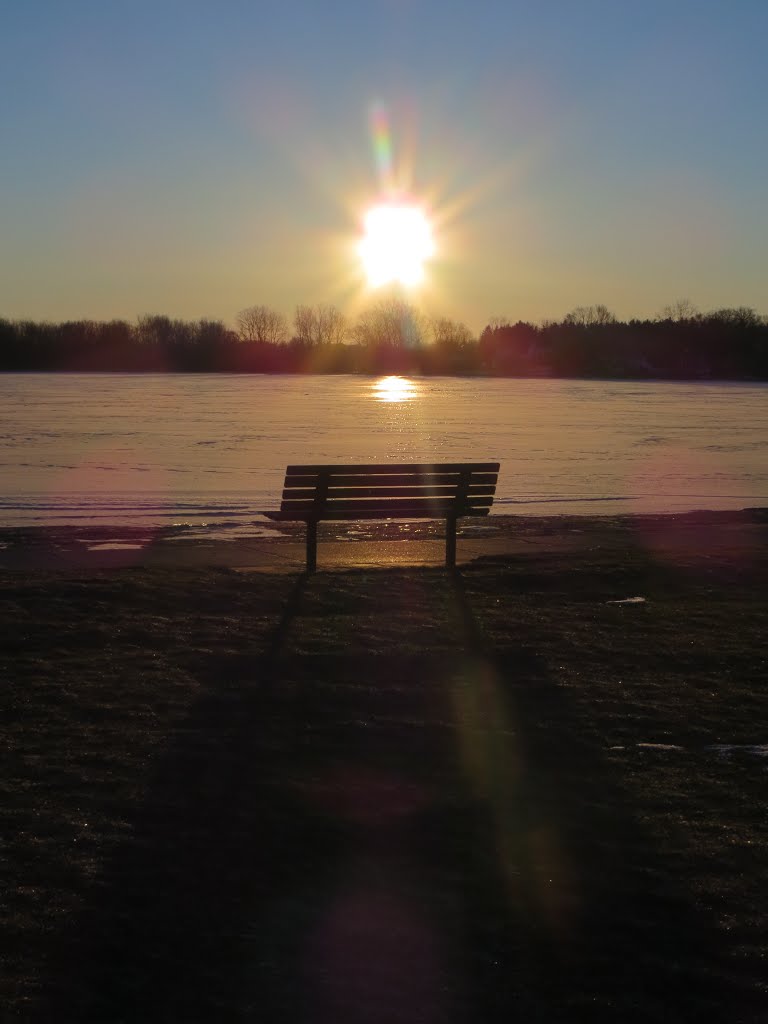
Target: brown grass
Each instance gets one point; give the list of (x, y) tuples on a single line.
[(387, 795)]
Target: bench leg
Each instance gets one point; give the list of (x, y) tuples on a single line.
[(450, 542), (311, 545)]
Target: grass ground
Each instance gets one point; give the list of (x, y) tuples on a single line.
[(388, 795)]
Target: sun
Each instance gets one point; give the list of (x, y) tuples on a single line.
[(397, 242)]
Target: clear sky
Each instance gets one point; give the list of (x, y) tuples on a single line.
[(192, 158)]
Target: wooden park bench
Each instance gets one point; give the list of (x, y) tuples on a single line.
[(444, 491)]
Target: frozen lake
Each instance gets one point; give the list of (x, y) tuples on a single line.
[(212, 448)]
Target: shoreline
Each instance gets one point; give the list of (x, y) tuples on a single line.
[(392, 543)]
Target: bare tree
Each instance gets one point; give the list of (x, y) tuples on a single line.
[(447, 332), (681, 309), (390, 322), (319, 325), (740, 316), (332, 325), (157, 329), (260, 323), (304, 325), (496, 322), (590, 316)]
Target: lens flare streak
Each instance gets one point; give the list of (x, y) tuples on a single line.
[(382, 146)]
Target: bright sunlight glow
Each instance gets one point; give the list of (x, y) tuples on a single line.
[(397, 241)]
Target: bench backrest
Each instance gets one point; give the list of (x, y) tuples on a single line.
[(390, 491)]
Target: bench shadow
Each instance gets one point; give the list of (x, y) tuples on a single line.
[(373, 836)]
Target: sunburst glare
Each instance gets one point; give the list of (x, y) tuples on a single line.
[(397, 242)]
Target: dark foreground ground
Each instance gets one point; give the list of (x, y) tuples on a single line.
[(391, 795)]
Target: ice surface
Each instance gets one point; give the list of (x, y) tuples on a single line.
[(153, 449)]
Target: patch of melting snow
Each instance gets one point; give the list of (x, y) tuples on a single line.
[(728, 749), (724, 750), (244, 533), (91, 541), (628, 600), (115, 547)]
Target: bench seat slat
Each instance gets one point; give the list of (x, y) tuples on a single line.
[(334, 493), (386, 468), (427, 506), (331, 515)]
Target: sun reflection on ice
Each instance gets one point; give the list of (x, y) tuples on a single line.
[(394, 389)]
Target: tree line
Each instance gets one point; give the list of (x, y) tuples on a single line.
[(392, 336)]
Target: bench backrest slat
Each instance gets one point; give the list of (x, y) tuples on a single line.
[(411, 469), (389, 492)]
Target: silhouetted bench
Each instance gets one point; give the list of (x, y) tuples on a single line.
[(449, 491)]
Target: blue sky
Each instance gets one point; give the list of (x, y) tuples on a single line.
[(195, 158)]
